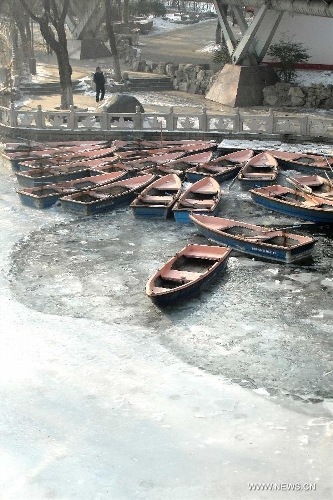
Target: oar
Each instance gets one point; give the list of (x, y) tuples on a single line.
[(293, 226), (299, 185), (330, 166)]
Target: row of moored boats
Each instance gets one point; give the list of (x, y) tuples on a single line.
[(181, 179)]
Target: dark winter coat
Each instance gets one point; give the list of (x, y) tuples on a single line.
[(99, 79)]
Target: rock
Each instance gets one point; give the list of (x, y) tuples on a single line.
[(121, 103), (297, 97)]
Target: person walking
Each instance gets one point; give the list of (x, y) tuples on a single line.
[(99, 81)]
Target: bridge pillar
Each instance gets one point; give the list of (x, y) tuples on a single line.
[(241, 86)]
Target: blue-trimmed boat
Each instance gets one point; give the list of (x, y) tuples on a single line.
[(107, 197), (221, 168), (181, 165), (295, 203), (313, 184), (303, 162), (201, 197), (37, 159), (187, 273), (260, 170), (47, 195), (156, 200), (258, 241)]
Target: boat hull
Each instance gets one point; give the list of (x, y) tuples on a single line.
[(98, 206), (180, 295), (183, 216), (221, 177), (25, 180), (285, 256), (38, 201), (299, 212), (186, 274), (105, 198), (152, 212)]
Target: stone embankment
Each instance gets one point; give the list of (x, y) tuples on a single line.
[(292, 95), (190, 78), (198, 79)]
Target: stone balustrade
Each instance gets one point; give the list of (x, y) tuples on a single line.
[(260, 125)]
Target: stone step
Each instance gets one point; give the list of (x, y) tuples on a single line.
[(156, 84), (47, 88)]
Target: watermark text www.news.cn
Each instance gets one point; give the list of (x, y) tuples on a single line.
[(282, 486)]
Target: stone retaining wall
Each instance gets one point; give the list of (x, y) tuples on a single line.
[(292, 95), (198, 79), (190, 78)]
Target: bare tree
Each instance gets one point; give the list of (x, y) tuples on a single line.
[(51, 22)]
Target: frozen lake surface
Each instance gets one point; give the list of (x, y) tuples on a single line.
[(125, 401)]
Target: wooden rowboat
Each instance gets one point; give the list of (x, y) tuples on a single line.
[(272, 244), (157, 199), (187, 273), (313, 184), (303, 162), (294, 203), (201, 197), (260, 170), (47, 195), (181, 165), (221, 168), (107, 197), (59, 155)]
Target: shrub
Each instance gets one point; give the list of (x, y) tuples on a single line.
[(221, 55), (148, 7), (287, 54)]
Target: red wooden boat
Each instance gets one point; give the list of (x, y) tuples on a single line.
[(46, 195), (187, 273), (313, 184), (260, 170), (156, 200), (201, 197)]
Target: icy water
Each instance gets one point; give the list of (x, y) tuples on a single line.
[(262, 325)]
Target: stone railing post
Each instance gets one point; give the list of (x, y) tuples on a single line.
[(137, 120), (203, 120), (237, 121), (71, 118), (12, 115), (39, 117), (170, 120), (305, 125), (104, 119), (270, 122)]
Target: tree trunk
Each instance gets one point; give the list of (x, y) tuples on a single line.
[(125, 15), (52, 22), (112, 42)]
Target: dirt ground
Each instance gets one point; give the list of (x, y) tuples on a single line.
[(180, 45), (47, 71)]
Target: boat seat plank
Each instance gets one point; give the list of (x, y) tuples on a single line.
[(156, 199), (159, 289), (174, 274), (257, 174), (309, 204), (197, 203), (211, 256), (207, 191)]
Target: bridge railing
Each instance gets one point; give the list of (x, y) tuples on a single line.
[(265, 123)]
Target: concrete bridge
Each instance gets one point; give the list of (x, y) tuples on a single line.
[(85, 22), (241, 83)]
